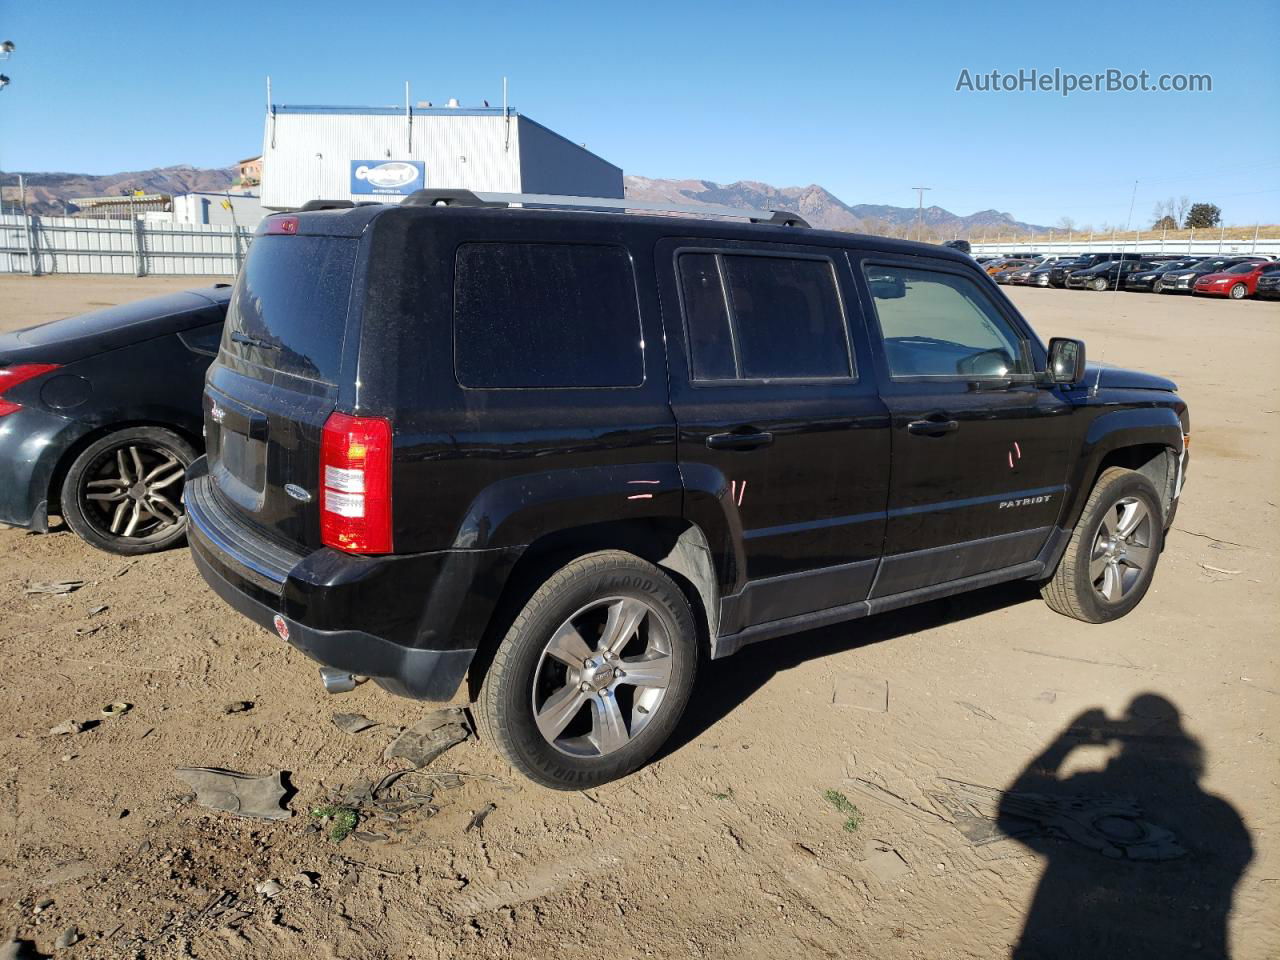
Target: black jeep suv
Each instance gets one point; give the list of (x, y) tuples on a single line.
[(563, 452)]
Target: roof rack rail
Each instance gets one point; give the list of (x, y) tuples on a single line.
[(467, 198), (326, 205), (447, 198)]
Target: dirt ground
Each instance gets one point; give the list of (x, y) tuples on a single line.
[(728, 845)]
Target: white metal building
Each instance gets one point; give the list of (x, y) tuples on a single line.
[(385, 153), (245, 209)]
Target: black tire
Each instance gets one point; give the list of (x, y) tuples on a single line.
[(1157, 287), (505, 711), (1239, 291), (1072, 590), (101, 471)]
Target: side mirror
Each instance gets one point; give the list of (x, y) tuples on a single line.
[(1066, 360), (887, 286)]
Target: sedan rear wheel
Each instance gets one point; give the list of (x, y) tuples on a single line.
[(124, 492)]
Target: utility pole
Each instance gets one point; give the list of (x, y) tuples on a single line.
[(920, 211)]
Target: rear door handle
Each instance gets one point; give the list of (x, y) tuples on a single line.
[(932, 428), (739, 441)]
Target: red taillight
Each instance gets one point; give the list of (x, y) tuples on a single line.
[(10, 377), (355, 484), (285, 225)]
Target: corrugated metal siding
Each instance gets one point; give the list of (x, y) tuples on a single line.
[(465, 151), (551, 164), (73, 245)]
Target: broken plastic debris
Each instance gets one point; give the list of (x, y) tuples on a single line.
[(117, 709), (477, 821), (429, 737), (352, 723), (54, 587), (243, 794)]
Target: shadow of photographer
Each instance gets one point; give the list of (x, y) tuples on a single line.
[(1141, 862)]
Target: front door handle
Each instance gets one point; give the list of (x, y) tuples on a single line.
[(739, 441), (932, 428)]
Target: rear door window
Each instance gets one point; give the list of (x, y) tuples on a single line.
[(289, 308), (757, 317), (543, 315)]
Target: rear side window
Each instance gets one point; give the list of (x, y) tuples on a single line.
[(289, 308), (545, 315), (751, 317)]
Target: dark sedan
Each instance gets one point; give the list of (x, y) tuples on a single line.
[(1268, 286), (1151, 278), (1106, 276), (1184, 280), (1061, 271), (100, 416)]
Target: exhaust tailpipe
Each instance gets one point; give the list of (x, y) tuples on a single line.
[(337, 681)]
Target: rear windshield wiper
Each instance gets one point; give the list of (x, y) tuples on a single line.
[(238, 337)]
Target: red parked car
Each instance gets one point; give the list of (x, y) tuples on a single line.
[(1236, 282)]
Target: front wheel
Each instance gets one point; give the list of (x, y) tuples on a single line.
[(1239, 291), (1111, 557), (123, 493), (1100, 284), (1157, 287), (594, 673)]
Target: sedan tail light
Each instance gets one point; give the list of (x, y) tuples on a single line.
[(10, 377), (355, 484)]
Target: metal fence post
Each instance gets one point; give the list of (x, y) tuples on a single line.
[(139, 263), (32, 267)]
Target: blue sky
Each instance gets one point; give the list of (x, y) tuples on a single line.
[(857, 97)]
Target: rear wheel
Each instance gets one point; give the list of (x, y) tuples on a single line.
[(1239, 291), (1111, 557), (124, 492), (594, 673)]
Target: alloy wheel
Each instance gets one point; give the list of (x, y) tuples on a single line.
[(602, 677), (1121, 552), (133, 492)]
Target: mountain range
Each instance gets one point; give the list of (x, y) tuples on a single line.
[(47, 193), (821, 207)]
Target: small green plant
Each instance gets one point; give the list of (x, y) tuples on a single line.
[(343, 820), (853, 816), (727, 795)]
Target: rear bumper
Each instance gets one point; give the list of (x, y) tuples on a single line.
[(412, 621)]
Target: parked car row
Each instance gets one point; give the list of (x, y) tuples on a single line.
[(1233, 276), (565, 456)]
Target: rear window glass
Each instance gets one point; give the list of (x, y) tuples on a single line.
[(762, 318), (289, 308), (545, 315)]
